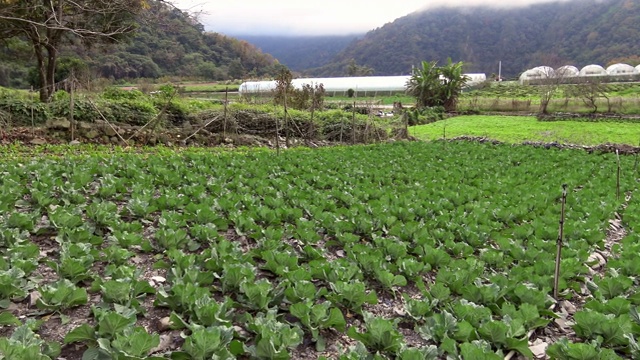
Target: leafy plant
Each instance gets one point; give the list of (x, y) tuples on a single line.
[(273, 338), (318, 317), (380, 335), (352, 295), (60, 295), (25, 344)]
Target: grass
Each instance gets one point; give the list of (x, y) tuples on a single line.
[(516, 129)]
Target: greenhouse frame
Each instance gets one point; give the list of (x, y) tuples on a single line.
[(361, 85)]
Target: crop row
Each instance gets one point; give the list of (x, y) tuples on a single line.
[(406, 250)]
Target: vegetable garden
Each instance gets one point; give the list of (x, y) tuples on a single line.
[(390, 251)]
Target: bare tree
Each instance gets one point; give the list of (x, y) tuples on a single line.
[(47, 24), (590, 91)]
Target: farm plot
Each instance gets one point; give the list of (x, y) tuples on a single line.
[(394, 251)]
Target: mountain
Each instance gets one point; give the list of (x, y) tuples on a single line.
[(303, 52), (168, 42), (578, 32)]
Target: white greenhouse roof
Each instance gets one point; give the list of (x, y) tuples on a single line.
[(621, 69), (539, 72), (341, 84), (567, 71), (593, 70), (638, 68)]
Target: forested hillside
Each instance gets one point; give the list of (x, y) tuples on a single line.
[(578, 32), (168, 42), (304, 52)]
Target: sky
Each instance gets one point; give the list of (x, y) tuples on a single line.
[(312, 17)]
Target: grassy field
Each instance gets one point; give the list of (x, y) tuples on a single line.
[(516, 129)]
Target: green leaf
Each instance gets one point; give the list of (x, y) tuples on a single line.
[(7, 318), (494, 331), (136, 341), (466, 332), (83, 333), (205, 343), (519, 345), (112, 323)]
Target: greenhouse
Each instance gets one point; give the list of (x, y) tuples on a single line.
[(363, 85), (621, 69), (567, 71), (537, 73), (593, 70)]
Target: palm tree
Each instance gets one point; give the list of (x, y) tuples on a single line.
[(453, 80), (437, 86)]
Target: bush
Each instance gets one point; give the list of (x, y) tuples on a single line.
[(425, 115), (18, 107)]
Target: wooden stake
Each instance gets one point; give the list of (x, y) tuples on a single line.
[(286, 124), (618, 177), (353, 124), (33, 121), (72, 106), (277, 137), (224, 125), (556, 275)]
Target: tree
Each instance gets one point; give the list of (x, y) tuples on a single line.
[(47, 24), (590, 91), (353, 69), (434, 85)]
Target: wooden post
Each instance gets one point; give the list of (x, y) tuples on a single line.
[(277, 136), (72, 87), (618, 177), (286, 124), (353, 124), (33, 121), (224, 124), (556, 276)]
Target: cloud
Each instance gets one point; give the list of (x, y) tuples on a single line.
[(327, 17)]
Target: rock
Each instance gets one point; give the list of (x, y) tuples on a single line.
[(166, 342), (84, 125), (37, 141), (540, 350), (105, 139), (596, 261), (108, 130), (240, 331), (33, 298), (58, 123), (74, 142), (91, 134), (164, 324), (569, 307), (158, 279), (114, 140)]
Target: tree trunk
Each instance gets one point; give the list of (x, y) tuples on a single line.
[(42, 72), (50, 83)]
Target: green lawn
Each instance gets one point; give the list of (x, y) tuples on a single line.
[(516, 129)]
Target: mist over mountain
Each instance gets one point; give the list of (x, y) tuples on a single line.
[(578, 32), (299, 53)]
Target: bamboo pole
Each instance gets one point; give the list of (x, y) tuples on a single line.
[(556, 275), (72, 106), (618, 176), (33, 121), (226, 101), (353, 124)]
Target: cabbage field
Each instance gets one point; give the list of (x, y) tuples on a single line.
[(390, 251)]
